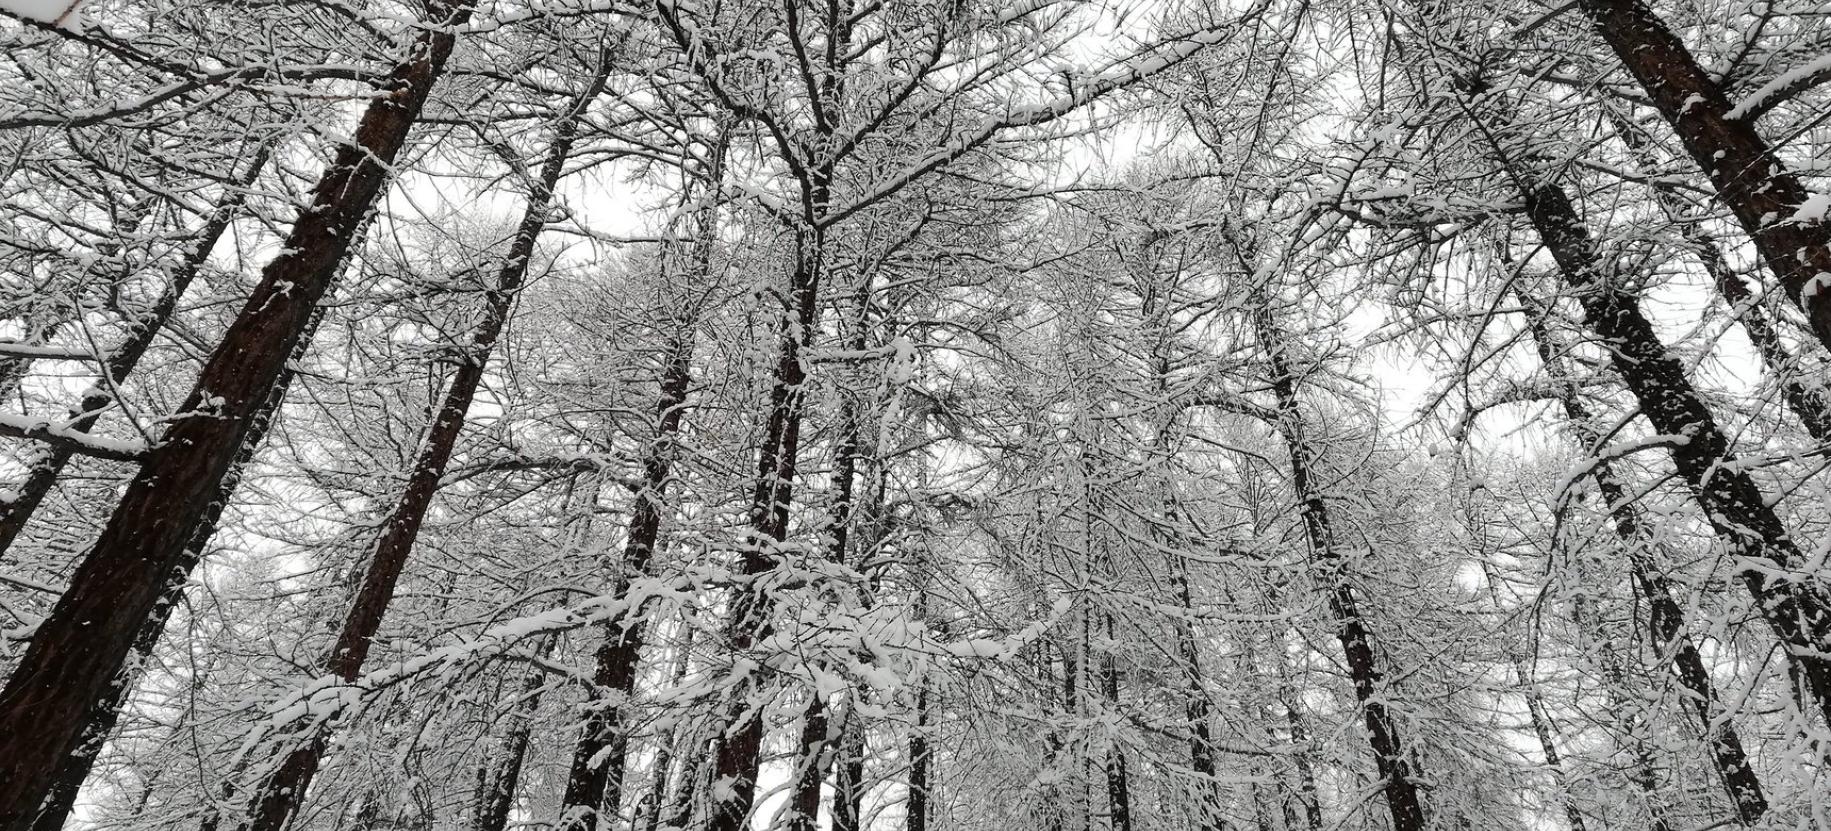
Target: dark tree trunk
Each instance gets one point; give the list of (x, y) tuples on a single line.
[(1396, 778), (47, 462), (81, 647), (1748, 174), (280, 795), (500, 780), (1301, 754), (921, 781), (1118, 783), (1807, 403), (1666, 619), (106, 712), (739, 750), (1796, 607), (594, 784)]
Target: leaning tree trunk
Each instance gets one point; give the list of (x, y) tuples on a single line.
[(1666, 619), (280, 793), (47, 462), (79, 650), (100, 722), (1397, 780), (1745, 169), (1808, 403), (1796, 606)]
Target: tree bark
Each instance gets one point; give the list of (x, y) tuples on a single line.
[(1403, 801), (81, 647), (48, 461), (1747, 173), (1794, 605), (1665, 618), (594, 784), (280, 794), (499, 781), (1809, 404), (100, 721)]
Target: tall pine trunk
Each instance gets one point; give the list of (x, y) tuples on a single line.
[(280, 794), (1747, 172), (594, 784), (79, 650), (1794, 605), (1397, 781), (1665, 618)]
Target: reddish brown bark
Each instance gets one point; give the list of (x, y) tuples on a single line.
[(280, 794), (1747, 173), (81, 647), (43, 468)]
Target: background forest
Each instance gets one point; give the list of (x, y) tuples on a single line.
[(931, 415)]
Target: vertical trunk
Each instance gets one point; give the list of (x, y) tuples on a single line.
[(739, 751), (1301, 756), (921, 781), (496, 794), (1796, 607), (1402, 798), (280, 794), (1808, 403), (47, 463), (1118, 784), (1666, 619), (80, 648), (594, 785), (1197, 710), (1747, 172)]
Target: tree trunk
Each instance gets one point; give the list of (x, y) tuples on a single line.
[(279, 796), (1796, 607), (1746, 170), (738, 754), (1401, 791), (1807, 403), (100, 721), (47, 462), (594, 784), (1118, 783), (499, 781), (1666, 619), (81, 647), (921, 781), (1621, 701)]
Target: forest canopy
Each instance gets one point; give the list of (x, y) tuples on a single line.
[(915, 415)]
